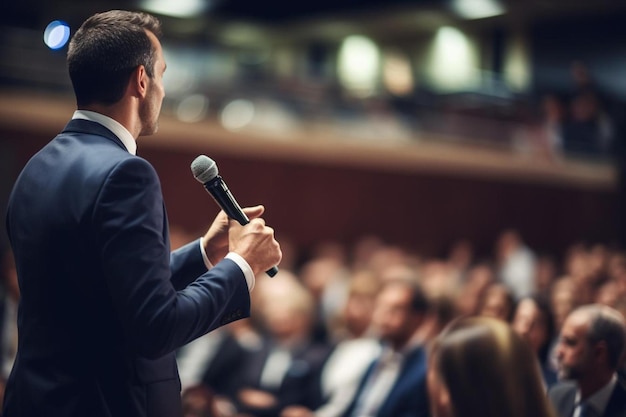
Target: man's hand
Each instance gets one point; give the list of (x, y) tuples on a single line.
[(256, 244), (216, 238)]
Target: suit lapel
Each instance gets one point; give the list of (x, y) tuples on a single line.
[(568, 404), (406, 380)]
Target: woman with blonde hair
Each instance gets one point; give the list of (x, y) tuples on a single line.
[(480, 367)]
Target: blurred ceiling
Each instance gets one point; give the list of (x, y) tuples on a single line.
[(34, 13)]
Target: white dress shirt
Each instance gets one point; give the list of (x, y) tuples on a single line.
[(131, 146), (380, 382)]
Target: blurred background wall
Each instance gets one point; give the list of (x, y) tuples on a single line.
[(421, 122)]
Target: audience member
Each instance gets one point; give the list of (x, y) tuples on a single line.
[(395, 384), (588, 132), (211, 359), (355, 351), (478, 279), (590, 351), (442, 310), (326, 278), (286, 369), (460, 258), (534, 322), (498, 302), (516, 263), (563, 299), (554, 114), (480, 367), (545, 275)]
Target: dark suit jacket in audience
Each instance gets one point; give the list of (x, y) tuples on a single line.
[(563, 397), (408, 396), (301, 383)]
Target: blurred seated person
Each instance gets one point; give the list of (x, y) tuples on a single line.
[(210, 360), (589, 130), (357, 347), (479, 277), (534, 322), (516, 263), (498, 303), (326, 278), (395, 383), (479, 367), (590, 352), (563, 299), (286, 369), (441, 311)]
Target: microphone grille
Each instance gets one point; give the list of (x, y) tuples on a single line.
[(204, 169)]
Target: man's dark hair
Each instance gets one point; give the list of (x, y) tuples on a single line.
[(607, 325), (419, 302), (104, 52)]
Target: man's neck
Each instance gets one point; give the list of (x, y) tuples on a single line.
[(120, 112)]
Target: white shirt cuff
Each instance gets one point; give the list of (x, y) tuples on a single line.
[(236, 258), (245, 268)]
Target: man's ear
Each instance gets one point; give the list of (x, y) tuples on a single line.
[(600, 352), (139, 82)]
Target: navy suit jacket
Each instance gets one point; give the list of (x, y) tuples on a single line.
[(103, 302), (408, 396), (563, 398)]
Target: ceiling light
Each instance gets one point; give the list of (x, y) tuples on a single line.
[(477, 9), (180, 8)]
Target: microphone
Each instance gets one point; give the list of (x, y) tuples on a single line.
[(204, 169)]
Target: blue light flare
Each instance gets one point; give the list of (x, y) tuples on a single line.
[(56, 35)]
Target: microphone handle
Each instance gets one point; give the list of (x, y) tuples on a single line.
[(223, 197)]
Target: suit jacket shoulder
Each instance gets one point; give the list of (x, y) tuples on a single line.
[(617, 403), (562, 396)]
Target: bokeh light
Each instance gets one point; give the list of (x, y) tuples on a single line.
[(192, 108), (237, 114), (359, 64), (56, 35)]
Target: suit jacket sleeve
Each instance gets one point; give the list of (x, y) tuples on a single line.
[(135, 263), (186, 264)]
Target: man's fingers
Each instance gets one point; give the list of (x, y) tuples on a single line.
[(254, 212)]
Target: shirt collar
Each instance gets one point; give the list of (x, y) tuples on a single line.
[(600, 399), (113, 125)]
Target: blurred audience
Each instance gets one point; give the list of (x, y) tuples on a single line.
[(345, 333)]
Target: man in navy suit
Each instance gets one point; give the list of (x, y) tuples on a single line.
[(103, 303), (590, 351), (395, 384)]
